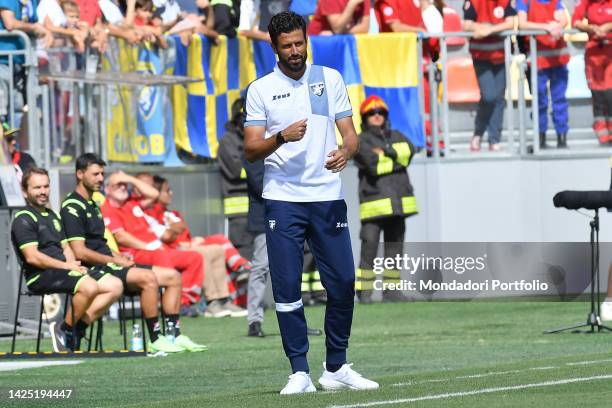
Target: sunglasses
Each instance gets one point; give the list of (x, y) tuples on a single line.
[(377, 111)]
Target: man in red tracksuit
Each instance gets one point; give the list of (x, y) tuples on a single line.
[(487, 18), (595, 18), (553, 57), (126, 220)]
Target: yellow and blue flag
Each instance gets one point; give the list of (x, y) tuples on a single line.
[(384, 64)]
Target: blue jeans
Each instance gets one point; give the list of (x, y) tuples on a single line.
[(557, 77), (490, 114)]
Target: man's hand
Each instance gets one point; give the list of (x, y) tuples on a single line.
[(482, 32), (120, 177), (198, 241), (123, 261), (555, 30), (598, 31), (378, 150), (76, 266), (338, 161), (295, 131)]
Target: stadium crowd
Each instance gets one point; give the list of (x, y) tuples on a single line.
[(88, 24)]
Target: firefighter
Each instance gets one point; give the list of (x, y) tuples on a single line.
[(385, 195), (595, 18), (233, 183), (553, 57), (313, 292)]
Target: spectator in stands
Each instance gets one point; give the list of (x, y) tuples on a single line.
[(170, 228), (486, 19), (21, 160), (126, 220), (104, 18), (225, 14), (553, 56), (50, 265), (233, 180), (255, 16), (173, 20), (340, 17), (84, 226), (17, 15), (595, 18), (143, 20), (60, 19), (386, 196)]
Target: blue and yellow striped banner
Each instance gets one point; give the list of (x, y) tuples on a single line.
[(383, 64)]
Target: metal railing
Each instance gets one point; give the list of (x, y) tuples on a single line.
[(32, 91), (439, 110), (47, 135)]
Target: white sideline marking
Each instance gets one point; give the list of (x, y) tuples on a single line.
[(489, 374), (588, 362), (10, 366), (476, 392)]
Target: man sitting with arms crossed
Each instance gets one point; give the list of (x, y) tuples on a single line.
[(124, 217), (84, 227), (50, 265)]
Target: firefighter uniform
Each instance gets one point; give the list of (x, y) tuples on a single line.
[(233, 185), (313, 291), (385, 196), (553, 57), (598, 65)]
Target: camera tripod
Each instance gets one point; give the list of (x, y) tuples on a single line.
[(593, 321)]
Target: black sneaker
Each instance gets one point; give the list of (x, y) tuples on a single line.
[(364, 296), (243, 272), (188, 311), (395, 296), (58, 337), (255, 330)]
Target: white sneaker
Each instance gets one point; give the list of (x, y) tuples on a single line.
[(606, 310), (299, 383), (345, 377)]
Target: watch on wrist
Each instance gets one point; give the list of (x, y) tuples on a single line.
[(280, 140)]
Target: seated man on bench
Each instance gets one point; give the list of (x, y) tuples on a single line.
[(85, 228), (50, 265)]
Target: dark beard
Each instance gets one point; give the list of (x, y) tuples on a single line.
[(292, 68)]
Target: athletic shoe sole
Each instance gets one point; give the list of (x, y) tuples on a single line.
[(56, 347), (311, 388), (332, 385)]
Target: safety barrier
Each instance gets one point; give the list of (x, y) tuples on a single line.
[(519, 139), (17, 60), (54, 138)]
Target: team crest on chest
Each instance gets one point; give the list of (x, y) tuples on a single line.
[(317, 88)]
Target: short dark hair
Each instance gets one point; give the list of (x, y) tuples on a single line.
[(158, 181), (285, 22), (87, 159), (28, 174)]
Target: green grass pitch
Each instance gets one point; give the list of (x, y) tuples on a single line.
[(478, 354)]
